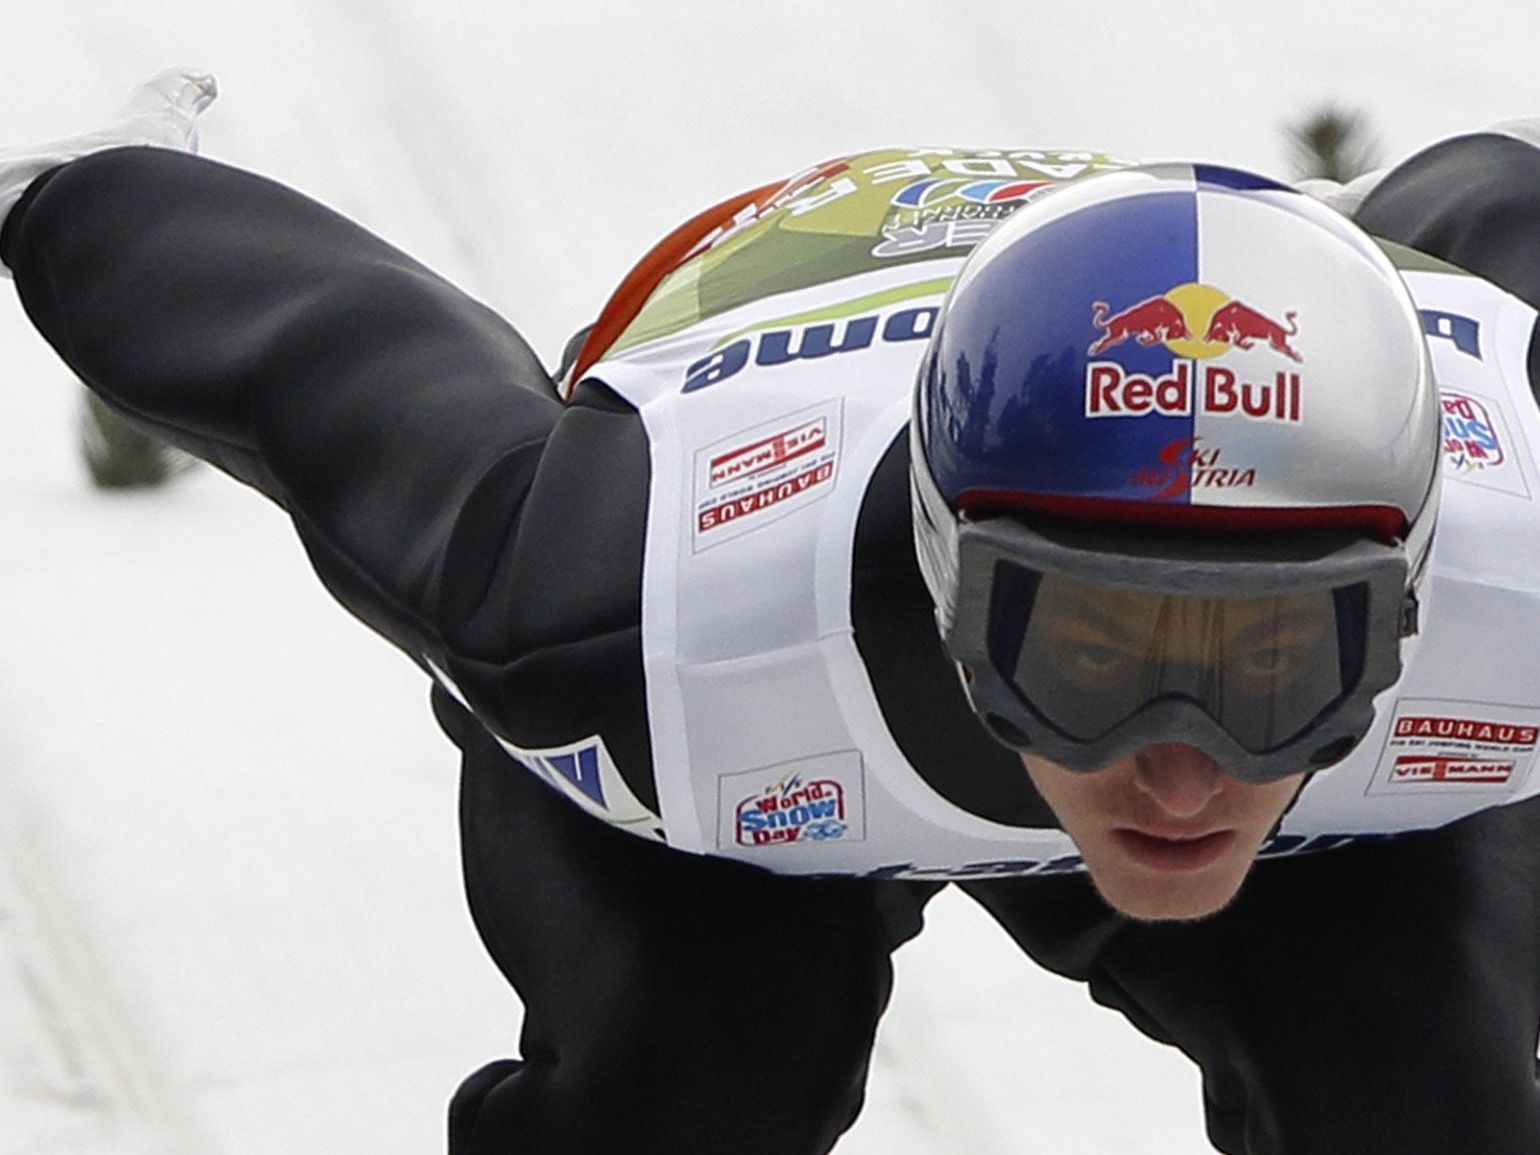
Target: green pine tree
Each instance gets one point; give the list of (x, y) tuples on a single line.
[(1333, 142), (120, 455)]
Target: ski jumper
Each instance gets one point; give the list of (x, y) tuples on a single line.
[(684, 598)]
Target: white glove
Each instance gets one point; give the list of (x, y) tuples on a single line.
[(1345, 198), (1526, 129), (163, 112)]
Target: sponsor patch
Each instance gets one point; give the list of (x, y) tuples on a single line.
[(818, 799), (1440, 746), (757, 476), (1478, 446)]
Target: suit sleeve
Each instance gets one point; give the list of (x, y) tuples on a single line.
[(410, 433), (1473, 201)]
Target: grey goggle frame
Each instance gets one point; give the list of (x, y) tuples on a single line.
[(1148, 563)]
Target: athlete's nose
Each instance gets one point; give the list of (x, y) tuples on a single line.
[(1180, 779)]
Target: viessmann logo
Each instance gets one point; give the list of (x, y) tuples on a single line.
[(1436, 746), (1197, 322), (757, 475), (1430, 768), (769, 452)]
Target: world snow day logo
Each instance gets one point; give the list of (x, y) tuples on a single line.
[(793, 810)]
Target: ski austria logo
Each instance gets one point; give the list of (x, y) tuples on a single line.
[(810, 801), (1187, 464), (1436, 747), (1197, 322)]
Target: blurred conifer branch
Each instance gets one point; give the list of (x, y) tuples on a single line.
[(1333, 142)]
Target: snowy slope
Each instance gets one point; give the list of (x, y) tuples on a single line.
[(230, 918)]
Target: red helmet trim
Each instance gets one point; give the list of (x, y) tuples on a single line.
[(1386, 522)]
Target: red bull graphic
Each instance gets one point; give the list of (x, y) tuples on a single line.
[(793, 810), (1240, 325), (1176, 319), (1186, 465), (1156, 320)]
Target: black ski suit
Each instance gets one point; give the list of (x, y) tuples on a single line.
[(1379, 998)]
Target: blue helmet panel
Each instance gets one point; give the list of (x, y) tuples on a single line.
[(1007, 394)]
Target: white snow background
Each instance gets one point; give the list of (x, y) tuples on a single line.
[(230, 915)]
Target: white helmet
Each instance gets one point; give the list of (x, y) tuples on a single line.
[(1175, 471)]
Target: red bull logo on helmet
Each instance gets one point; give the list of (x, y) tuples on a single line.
[(1177, 318), (1198, 323)]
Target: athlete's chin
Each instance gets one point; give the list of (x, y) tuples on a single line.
[(1147, 897)]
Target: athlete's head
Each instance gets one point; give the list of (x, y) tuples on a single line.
[(1175, 476)]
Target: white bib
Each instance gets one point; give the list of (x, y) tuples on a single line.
[(766, 424)]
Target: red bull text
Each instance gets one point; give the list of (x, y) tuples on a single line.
[(1112, 391)]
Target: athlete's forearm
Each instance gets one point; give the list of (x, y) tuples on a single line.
[(1473, 201), (267, 334)]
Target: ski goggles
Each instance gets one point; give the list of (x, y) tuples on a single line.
[(1265, 651)]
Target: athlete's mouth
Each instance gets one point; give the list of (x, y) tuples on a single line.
[(1181, 854)]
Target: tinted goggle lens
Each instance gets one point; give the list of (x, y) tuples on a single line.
[(1085, 656)]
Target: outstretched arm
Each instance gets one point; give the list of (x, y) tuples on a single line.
[(374, 401), (1472, 200)]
